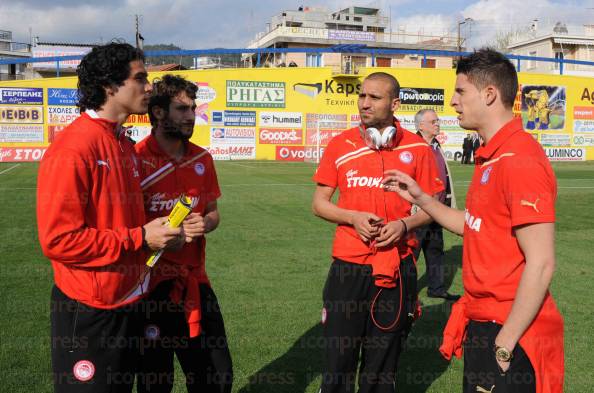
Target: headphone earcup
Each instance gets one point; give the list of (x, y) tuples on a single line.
[(388, 137), (376, 140), (373, 138)]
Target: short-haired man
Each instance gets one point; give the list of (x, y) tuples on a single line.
[(476, 143), (92, 227), (430, 236), (183, 307), (513, 330), (370, 296), (466, 149)]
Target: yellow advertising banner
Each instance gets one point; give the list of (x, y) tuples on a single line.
[(290, 114)]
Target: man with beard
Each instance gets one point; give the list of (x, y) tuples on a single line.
[(370, 296), (184, 317)]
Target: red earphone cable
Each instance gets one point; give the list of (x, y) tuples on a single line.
[(393, 324)]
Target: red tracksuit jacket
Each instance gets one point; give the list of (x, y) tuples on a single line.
[(90, 213)]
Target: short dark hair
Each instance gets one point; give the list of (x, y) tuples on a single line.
[(486, 67), (105, 66), (395, 86), (166, 88)]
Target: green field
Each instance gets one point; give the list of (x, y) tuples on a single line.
[(268, 262)]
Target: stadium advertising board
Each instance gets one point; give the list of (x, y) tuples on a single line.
[(350, 35), (583, 119), (281, 119), (565, 154), (298, 153), (255, 94), (62, 96), (232, 152), (62, 114), (234, 118), (21, 114), (413, 99), (583, 139), (233, 135), (292, 113), (21, 95), (280, 136), (57, 50), (21, 154), (21, 133), (555, 139)]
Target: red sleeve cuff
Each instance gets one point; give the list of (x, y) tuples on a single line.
[(325, 181), (532, 220), (137, 238)]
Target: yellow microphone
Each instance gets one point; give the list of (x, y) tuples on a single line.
[(180, 211)]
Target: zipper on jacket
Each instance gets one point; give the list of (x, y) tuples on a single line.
[(119, 137)]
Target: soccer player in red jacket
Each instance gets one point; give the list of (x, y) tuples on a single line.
[(92, 227), (507, 322), (185, 317), (370, 296)]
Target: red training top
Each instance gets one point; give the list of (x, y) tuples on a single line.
[(90, 213), (163, 181), (513, 185), (357, 170)]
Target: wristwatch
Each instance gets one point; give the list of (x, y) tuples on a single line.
[(503, 354)]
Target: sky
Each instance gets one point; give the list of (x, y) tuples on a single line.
[(200, 24)]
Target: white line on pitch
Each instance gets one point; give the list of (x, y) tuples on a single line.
[(258, 185), (243, 165), (563, 180), (267, 184), (222, 185), (9, 169)]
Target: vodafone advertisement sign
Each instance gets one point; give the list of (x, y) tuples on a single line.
[(280, 136), (21, 154), (298, 153)]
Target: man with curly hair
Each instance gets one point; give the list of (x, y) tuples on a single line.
[(92, 227)]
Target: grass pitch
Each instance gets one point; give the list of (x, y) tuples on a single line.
[(268, 262)]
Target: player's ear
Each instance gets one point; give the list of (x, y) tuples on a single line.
[(110, 90), (490, 94), (395, 104)]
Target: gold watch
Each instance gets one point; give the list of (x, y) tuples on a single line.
[(503, 354)]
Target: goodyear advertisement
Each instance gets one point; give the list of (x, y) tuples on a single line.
[(290, 114)]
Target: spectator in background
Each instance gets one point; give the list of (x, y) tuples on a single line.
[(430, 236), (466, 149), (476, 143)]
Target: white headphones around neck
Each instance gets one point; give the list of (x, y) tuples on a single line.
[(376, 140)]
